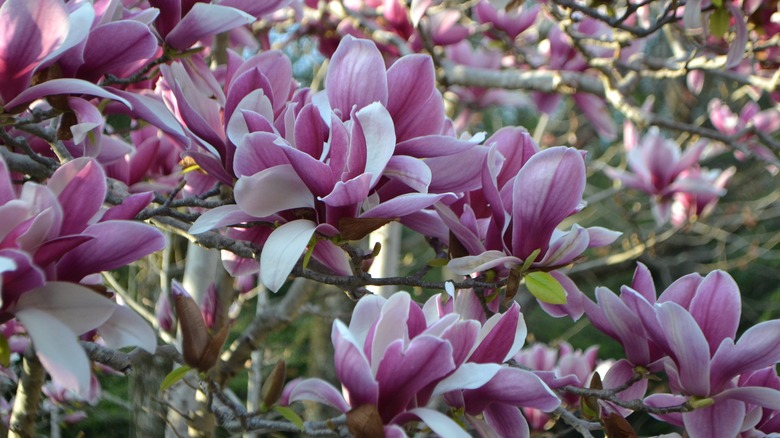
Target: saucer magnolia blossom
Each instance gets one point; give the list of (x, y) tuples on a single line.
[(525, 195), (53, 236), (398, 357), (689, 331), (658, 168)]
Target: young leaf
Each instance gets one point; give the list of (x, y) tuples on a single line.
[(5, 351), (174, 376), (545, 287), (290, 416), (719, 22)]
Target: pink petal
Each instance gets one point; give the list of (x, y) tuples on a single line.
[(688, 347), (547, 190), (403, 371), (29, 31), (721, 419), (352, 368), (716, 307), (506, 420), (205, 20), (316, 390), (439, 423), (75, 306), (58, 350), (271, 191), (80, 186), (113, 47), (63, 86), (126, 329), (116, 244), (356, 76)]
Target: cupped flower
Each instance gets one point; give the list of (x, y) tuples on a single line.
[(526, 194)]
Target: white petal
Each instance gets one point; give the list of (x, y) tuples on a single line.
[(282, 251)]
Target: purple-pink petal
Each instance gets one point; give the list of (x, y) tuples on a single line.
[(716, 307), (29, 31), (205, 20), (352, 368), (63, 86), (403, 371), (547, 190), (723, 419), (356, 76), (271, 191), (116, 244), (316, 390), (688, 346)]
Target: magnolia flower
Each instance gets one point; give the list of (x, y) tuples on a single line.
[(55, 235), (750, 116), (689, 331), (398, 357), (340, 163), (525, 195), (658, 168)]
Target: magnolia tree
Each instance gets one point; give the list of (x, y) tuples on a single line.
[(484, 128)]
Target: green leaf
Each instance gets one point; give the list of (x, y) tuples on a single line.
[(437, 263), (174, 376), (309, 251), (545, 287), (5, 351), (530, 260), (718, 3), (719, 22), (290, 415)]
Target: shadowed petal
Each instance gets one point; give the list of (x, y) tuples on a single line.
[(126, 329), (487, 260), (57, 348), (271, 191), (316, 390), (116, 244), (113, 47), (506, 420), (205, 20), (29, 31), (515, 387), (63, 86), (258, 151), (688, 346)]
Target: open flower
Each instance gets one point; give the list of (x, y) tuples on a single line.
[(658, 168), (525, 195), (54, 236), (398, 357)]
